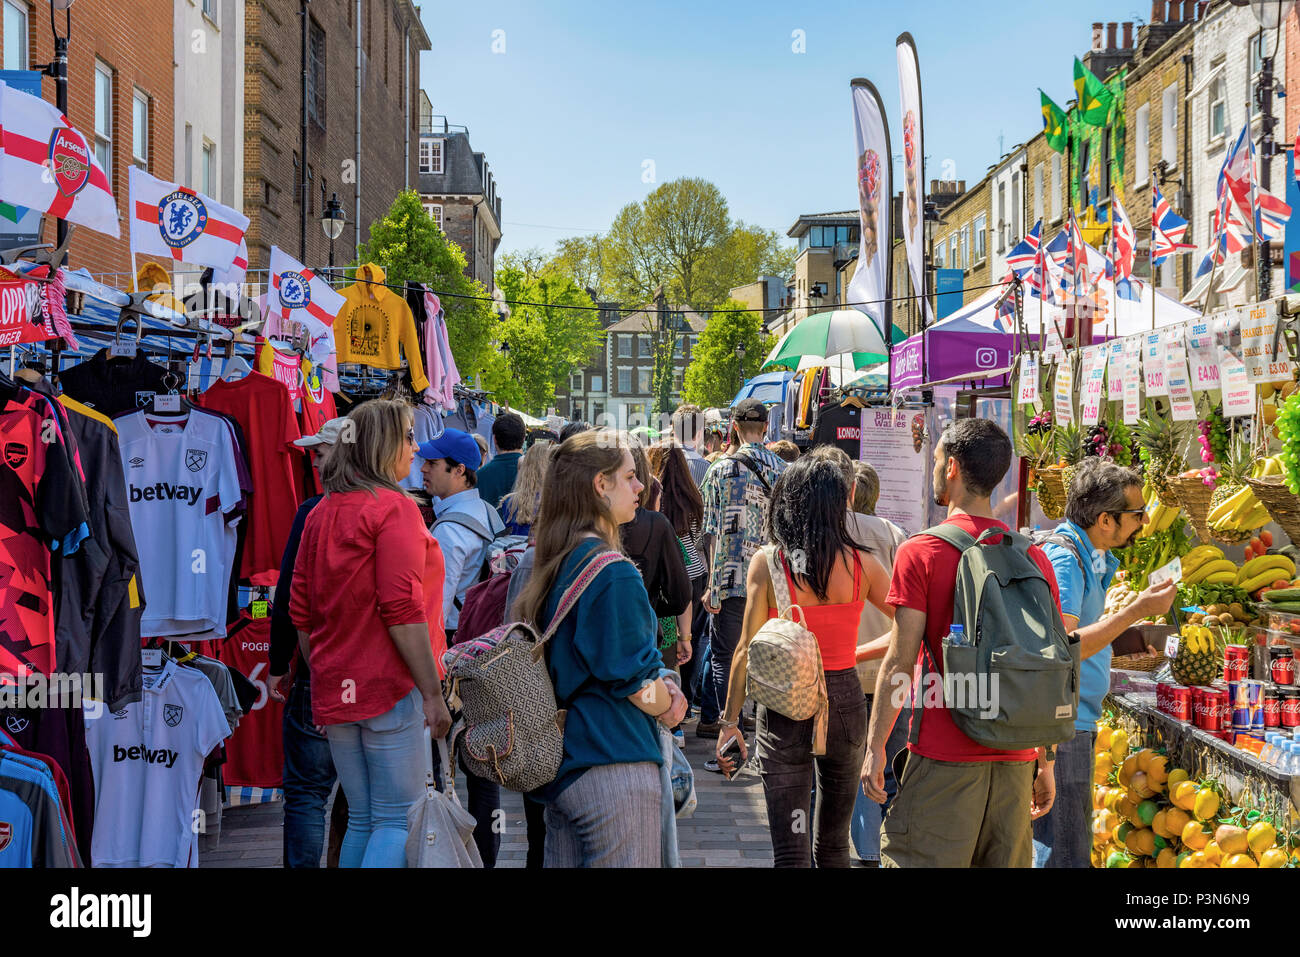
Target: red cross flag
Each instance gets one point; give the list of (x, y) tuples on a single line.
[(299, 295), (45, 164), (238, 270), (171, 221)]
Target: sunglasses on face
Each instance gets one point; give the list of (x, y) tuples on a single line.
[(1128, 511), (410, 436)]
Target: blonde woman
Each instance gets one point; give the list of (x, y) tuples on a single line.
[(519, 508), (367, 604)]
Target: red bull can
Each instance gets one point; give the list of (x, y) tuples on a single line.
[(1247, 698)]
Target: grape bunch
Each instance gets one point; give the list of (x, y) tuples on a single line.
[(1288, 430), (1097, 441), (1121, 444), (1040, 424)]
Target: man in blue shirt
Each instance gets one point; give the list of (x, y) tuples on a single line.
[(1105, 510)]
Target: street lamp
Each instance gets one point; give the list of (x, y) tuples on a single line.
[(740, 365), (332, 221)]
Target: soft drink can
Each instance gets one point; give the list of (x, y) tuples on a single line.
[(1225, 711), (1179, 701), (1236, 663), (1281, 662), (1289, 707), (1272, 707), (1205, 710)]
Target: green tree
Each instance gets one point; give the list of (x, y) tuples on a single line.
[(542, 343), (747, 253), (715, 373), (582, 259), (410, 247)]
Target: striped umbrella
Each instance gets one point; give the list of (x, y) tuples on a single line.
[(832, 333)]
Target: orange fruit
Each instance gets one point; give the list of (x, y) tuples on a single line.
[(1194, 836)]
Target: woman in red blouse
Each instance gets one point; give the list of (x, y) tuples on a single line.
[(367, 603)]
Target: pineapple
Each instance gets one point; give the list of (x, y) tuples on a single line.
[(1231, 481), (1160, 443), (1198, 667), (1069, 447), (1040, 449)]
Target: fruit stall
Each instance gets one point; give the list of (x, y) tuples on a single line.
[(1198, 757)]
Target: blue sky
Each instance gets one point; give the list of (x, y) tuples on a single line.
[(586, 92)]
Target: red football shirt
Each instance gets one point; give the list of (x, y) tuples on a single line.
[(262, 408), (366, 563), (317, 409), (925, 579), (255, 752)]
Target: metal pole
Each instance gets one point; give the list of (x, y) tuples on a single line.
[(1264, 94), (302, 142)]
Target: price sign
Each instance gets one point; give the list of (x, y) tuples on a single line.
[(1055, 349), (1063, 392), (1092, 376), (259, 609), (1153, 364), (1115, 370), (1027, 388), (125, 349), (1258, 324), (1203, 355), (1181, 401), (169, 402), (1238, 393), (1133, 346)]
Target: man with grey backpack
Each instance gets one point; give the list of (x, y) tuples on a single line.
[(977, 607)]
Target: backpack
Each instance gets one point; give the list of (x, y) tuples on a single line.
[(785, 670), (512, 726), (495, 540), (1018, 658), (485, 601)]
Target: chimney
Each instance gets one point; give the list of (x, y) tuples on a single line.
[(1128, 35), (1110, 34), (1157, 11), (1189, 10), (1096, 37), (1171, 15)]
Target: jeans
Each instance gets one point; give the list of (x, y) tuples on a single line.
[(308, 778), (1063, 836), (727, 624), (608, 817), (701, 678), (535, 818), (381, 765), (484, 805), (867, 814), (786, 765)]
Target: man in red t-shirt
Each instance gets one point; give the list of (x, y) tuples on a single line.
[(959, 804)]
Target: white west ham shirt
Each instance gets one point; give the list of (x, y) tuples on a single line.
[(148, 761), (182, 483)]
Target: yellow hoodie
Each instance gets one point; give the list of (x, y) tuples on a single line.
[(373, 322)]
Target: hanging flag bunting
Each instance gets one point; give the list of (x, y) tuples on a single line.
[(870, 286), (909, 94), (45, 164), (1167, 229), (1094, 99), (171, 220), (1055, 124)]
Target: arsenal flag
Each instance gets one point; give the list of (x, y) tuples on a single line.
[(171, 221), (45, 164), (299, 295)]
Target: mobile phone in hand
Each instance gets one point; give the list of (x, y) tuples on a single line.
[(735, 758)]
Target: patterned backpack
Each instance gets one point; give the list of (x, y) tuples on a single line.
[(513, 730), (785, 662)]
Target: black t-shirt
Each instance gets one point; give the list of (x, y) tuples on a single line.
[(113, 386), (840, 425)]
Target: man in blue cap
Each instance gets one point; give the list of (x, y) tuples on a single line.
[(464, 527)]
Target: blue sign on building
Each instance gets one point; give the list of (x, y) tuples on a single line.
[(947, 288)]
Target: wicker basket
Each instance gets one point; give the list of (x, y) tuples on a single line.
[(1194, 497), (1137, 662), (1282, 506), (1053, 481)]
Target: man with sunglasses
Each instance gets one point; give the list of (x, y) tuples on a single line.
[(1104, 511)]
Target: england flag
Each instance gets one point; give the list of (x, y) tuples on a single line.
[(171, 221), (299, 295)]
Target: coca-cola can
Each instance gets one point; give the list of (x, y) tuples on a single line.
[(1179, 702), (1205, 709), (1281, 661), (1272, 707), (1236, 663), (1289, 707), (1225, 711)]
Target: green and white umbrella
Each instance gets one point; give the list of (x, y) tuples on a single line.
[(833, 333)]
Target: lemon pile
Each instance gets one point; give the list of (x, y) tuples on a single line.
[(1148, 815)]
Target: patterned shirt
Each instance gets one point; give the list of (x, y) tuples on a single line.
[(735, 513)]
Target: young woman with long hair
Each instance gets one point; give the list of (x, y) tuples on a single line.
[(519, 507), (683, 506), (367, 603), (829, 576), (604, 806)]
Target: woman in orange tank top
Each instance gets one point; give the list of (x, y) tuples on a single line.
[(830, 577)]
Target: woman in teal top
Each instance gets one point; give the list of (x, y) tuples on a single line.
[(603, 808)]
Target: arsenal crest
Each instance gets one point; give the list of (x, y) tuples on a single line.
[(295, 290), (172, 714), (195, 459), (15, 454), (182, 217), (6, 834), (69, 161)]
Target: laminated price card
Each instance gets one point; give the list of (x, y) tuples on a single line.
[(1181, 401), (1153, 363), (1259, 324), (1203, 355), (1092, 377), (1238, 392), (1133, 347), (1063, 391), (1115, 370), (1027, 388)]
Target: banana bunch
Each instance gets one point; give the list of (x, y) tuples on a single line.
[(1266, 467), (1159, 518), (1197, 638), (1264, 570), (1240, 512), (1205, 563)]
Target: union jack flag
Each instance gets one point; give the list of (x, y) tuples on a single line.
[(1022, 256), (1167, 229), (1076, 257), (1123, 241)]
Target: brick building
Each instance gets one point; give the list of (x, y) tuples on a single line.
[(629, 360), (585, 397), (120, 97), (961, 240), (459, 191), (370, 161)]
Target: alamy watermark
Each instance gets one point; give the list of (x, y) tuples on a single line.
[(56, 690), (963, 691)]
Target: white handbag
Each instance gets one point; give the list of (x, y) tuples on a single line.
[(439, 831)]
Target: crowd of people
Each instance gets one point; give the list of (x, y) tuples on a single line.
[(699, 539)]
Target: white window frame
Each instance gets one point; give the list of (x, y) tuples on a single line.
[(1169, 126), (597, 384), (23, 43), (1003, 222), (1253, 45), (979, 237), (1142, 145), (645, 348), (630, 382), (104, 135), (435, 213), (208, 168), (941, 254), (623, 345), (1017, 204), (431, 152), (139, 119), (575, 382), (647, 375), (1038, 192), (965, 247), (1222, 103), (209, 8), (1056, 187)]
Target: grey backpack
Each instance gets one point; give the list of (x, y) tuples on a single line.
[(1014, 684)]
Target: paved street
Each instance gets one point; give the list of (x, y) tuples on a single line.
[(728, 829)]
